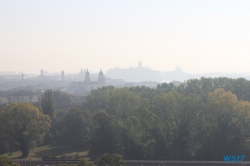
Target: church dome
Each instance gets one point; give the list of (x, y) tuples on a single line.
[(87, 72), (101, 73)]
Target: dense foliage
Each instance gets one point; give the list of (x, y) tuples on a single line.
[(199, 120), (85, 162), (202, 119), (48, 103), (25, 124), (111, 160), (62, 97), (7, 162)]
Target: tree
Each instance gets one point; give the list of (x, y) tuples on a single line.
[(48, 108), (143, 91), (111, 160), (7, 162), (122, 103), (4, 142), (99, 98), (164, 88), (138, 142), (227, 125), (104, 137), (25, 124), (62, 97), (48, 103), (188, 121), (75, 127), (85, 162), (177, 126)]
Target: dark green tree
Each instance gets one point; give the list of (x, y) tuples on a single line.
[(104, 137), (111, 160), (48, 108), (122, 103), (99, 99), (164, 88), (75, 129), (24, 124), (48, 103), (7, 162), (143, 91), (62, 97), (227, 122), (85, 162)]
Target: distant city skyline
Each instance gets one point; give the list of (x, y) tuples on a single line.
[(199, 36), (175, 69)]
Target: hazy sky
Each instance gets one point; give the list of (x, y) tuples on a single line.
[(198, 35)]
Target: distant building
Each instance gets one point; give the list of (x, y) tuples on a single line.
[(47, 77), (178, 69), (178, 75), (101, 79), (87, 78), (135, 74), (81, 88), (23, 96), (62, 75), (42, 73)]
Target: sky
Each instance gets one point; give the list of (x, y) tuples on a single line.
[(198, 36)]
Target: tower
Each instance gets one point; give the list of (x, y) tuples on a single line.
[(178, 69), (42, 73), (87, 78), (101, 78), (62, 75)]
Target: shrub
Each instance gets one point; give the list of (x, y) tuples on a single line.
[(111, 160), (63, 164), (85, 162), (7, 162)]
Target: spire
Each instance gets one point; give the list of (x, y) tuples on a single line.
[(100, 73), (87, 78), (87, 72), (101, 78), (62, 75)]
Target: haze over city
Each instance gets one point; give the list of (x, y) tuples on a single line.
[(199, 36), (124, 82)]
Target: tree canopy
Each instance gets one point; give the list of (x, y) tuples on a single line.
[(25, 124), (201, 119)]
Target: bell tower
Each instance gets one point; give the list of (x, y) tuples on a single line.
[(101, 78), (62, 75), (87, 78)]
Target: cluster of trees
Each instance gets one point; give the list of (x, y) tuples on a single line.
[(24, 125), (104, 160), (202, 119), (7, 162), (199, 120), (62, 97)]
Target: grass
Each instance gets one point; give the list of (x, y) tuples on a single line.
[(48, 150)]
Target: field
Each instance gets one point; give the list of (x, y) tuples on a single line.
[(49, 150)]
